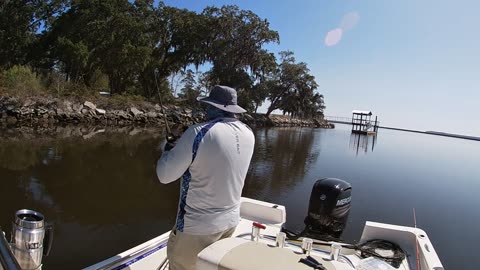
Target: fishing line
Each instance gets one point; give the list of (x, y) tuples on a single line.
[(170, 137)]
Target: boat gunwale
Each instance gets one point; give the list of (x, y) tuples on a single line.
[(133, 255)]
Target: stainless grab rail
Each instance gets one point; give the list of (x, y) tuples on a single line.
[(7, 259)]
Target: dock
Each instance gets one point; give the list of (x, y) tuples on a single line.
[(362, 123)]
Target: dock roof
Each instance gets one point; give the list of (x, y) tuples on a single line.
[(362, 112)]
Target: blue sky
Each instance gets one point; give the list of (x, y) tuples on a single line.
[(414, 63)]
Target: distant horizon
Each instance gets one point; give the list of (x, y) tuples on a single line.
[(413, 63), (277, 112), (425, 132)]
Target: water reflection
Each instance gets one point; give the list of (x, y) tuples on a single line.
[(362, 143), (282, 156), (103, 187), (101, 190), (18, 155), (93, 172), (37, 191)]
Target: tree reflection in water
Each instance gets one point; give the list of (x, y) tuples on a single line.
[(100, 189), (281, 158), (96, 190)]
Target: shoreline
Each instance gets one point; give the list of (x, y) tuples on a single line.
[(48, 112)]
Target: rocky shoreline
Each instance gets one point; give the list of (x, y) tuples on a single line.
[(45, 113)]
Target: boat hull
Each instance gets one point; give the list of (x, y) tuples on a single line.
[(152, 254)]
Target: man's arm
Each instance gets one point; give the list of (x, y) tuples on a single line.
[(172, 164)]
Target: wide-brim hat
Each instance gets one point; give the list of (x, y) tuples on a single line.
[(223, 98)]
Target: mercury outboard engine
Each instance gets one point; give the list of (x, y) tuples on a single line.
[(329, 208), (31, 239)]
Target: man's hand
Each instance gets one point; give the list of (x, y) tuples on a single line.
[(168, 146)]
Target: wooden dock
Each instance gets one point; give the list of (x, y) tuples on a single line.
[(362, 123)]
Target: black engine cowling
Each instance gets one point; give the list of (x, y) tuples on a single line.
[(329, 207)]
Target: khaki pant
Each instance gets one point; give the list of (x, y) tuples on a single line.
[(182, 248)]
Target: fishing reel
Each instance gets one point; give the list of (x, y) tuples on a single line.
[(171, 138), (173, 135)]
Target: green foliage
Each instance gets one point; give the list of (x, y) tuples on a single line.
[(16, 32), (19, 22), (132, 47), (162, 91), (75, 56), (107, 35), (18, 155), (99, 81), (292, 88), (189, 92), (21, 80), (236, 43), (178, 40), (259, 94), (235, 50), (57, 85)]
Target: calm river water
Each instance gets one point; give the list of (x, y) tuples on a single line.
[(101, 193)]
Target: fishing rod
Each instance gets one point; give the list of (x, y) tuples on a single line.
[(416, 239), (170, 137)]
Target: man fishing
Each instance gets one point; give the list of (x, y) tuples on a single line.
[(212, 159)]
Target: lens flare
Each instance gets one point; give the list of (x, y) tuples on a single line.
[(333, 37), (349, 21)]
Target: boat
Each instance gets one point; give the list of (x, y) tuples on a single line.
[(260, 241)]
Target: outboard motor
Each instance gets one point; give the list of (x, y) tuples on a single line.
[(31, 239), (328, 208)]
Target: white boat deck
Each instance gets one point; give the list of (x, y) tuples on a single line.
[(151, 255)]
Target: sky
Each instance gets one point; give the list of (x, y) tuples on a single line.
[(413, 63)]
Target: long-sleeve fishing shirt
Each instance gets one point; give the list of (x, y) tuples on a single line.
[(212, 160)]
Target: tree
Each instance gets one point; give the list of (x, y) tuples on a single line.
[(317, 106), (291, 86), (178, 40), (124, 50), (234, 47), (19, 22), (189, 91), (189, 80), (235, 44), (267, 66), (75, 58), (131, 42), (139, 45), (110, 35), (203, 84)]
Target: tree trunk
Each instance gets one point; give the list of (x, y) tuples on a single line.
[(270, 110)]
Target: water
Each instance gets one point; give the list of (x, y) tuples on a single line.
[(102, 195)]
